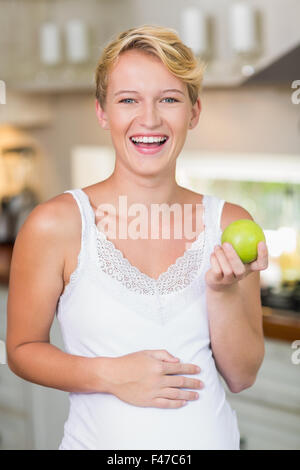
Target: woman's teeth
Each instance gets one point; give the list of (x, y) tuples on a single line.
[(148, 140)]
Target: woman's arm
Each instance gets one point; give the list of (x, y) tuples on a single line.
[(45, 364), (234, 309), (237, 344), (35, 284)]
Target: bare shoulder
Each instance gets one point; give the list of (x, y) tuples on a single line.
[(232, 212), (51, 224), (58, 215), (61, 207)]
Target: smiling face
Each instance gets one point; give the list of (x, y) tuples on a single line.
[(146, 110)]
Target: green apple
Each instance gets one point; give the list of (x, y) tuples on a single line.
[(244, 235)]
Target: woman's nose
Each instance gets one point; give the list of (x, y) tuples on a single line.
[(150, 116)]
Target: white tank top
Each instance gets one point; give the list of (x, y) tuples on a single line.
[(110, 308)]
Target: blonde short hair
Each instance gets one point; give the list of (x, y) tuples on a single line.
[(159, 41)]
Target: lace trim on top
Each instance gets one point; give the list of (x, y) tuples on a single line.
[(178, 275)]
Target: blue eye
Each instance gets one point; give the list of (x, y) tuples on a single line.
[(125, 99), (171, 99), (131, 99)]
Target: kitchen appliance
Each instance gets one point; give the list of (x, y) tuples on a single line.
[(286, 297), (14, 211), (19, 197)]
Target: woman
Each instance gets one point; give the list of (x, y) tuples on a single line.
[(139, 314)]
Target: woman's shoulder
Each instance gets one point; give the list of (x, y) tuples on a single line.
[(58, 215), (62, 207), (47, 227), (230, 210)]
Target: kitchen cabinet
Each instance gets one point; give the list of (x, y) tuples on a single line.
[(31, 416), (269, 412), (263, 427), (14, 409), (15, 416), (25, 67), (13, 432), (23, 71)]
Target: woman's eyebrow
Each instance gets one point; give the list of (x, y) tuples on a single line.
[(133, 91)]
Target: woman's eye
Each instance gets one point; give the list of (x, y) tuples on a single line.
[(125, 99), (171, 99), (130, 99)]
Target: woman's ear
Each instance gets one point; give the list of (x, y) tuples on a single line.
[(101, 115), (196, 110)]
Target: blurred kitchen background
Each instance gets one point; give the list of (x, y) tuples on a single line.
[(245, 149)]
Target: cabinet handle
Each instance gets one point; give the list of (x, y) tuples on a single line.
[(3, 359), (243, 443)]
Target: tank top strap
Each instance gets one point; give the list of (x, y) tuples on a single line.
[(86, 213), (212, 219)]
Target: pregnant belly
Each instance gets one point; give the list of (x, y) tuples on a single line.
[(102, 421)]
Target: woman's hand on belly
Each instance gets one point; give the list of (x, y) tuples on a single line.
[(147, 378)]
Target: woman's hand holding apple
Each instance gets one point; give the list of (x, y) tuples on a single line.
[(227, 267)]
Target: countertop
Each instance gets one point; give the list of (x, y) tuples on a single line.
[(281, 324)]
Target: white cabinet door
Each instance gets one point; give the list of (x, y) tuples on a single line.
[(3, 358), (31, 416), (13, 431), (50, 407), (265, 427), (269, 412)]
